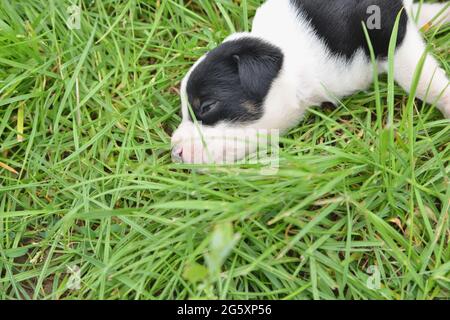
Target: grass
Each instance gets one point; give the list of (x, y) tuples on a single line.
[(358, 209)]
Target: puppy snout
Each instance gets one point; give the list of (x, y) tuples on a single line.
[(177, 154)]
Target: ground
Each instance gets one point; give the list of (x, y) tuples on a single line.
[(91, 205)]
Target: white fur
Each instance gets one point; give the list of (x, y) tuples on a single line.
[(434, 84), (429, 13), (310, 76)]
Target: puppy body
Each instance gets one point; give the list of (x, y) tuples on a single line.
[(300, 53), (311, 73)]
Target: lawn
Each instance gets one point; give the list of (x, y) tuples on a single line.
[(91, 206)]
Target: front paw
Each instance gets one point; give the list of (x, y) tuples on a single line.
[(444, 106)]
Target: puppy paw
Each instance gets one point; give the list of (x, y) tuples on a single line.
[(444, 106)]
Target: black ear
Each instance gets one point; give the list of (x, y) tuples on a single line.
[(258, 68)]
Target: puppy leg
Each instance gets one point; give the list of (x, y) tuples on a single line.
[(428, 12), (433, 85)]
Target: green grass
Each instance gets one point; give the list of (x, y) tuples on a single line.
[(86, 178)]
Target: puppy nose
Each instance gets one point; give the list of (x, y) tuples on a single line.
[(177, 154)]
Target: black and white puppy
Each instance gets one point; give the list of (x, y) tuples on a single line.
[(300, 53)]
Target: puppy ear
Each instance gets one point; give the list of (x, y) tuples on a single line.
[(257, 71)]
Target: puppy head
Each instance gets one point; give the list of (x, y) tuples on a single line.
[(222, 96)]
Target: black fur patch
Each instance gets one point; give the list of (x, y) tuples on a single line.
[(233, 80), (338, 23)]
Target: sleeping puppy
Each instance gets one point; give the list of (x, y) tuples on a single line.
[(300, 53)]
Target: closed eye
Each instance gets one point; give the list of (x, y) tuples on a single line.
[(208, 107)]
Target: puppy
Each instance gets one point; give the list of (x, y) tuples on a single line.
[(300, 53)]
